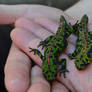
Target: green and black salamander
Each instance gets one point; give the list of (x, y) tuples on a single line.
[(83, 51), (53, 46)]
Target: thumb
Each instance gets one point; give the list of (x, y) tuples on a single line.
[(9, 13)]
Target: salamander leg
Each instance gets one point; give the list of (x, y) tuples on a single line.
[(36, 52), (63, 69), (45, 42), (75, 53)]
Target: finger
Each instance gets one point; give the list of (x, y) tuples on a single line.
[(17, 70), (9, 15), (38, 83), (24, 39), (33, 27), (38, 11), (48, 24), (58, 87)]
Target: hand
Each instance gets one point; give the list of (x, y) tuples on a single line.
[(15, 72), (18, 66)]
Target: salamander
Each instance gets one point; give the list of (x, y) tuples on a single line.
[(53, 46), (83, 50)]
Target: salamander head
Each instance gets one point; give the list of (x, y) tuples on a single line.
[(62, 19), (84, 19)]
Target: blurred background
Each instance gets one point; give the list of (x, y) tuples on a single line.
[(5, 41)]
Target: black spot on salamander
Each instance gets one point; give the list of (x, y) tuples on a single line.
[(41, 57), (55, 62), (55, 38), (79, 40), (55, 55), (55, 46), (59, 45), (88, 41), (53, 72), (51, 37), (62, 67), (91, 47), (80, 56), (51, 50), (86, 59), (48, 75), (51, 80), (59, 39), (46, 72), (77, 61), (83, 62), (55, 69), (50, 56), (89, 53)]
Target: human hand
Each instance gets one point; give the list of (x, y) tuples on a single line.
[(18, 66), (23, 38)]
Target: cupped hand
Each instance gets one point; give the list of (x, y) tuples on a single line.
[(33, 24), (18, 67)]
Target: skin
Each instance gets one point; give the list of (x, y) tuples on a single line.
[(23, 38)]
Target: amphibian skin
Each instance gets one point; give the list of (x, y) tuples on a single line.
[(53, 46), (83, 51)]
